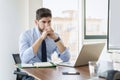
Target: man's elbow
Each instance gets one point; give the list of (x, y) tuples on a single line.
[(66, 59), (23, 59)]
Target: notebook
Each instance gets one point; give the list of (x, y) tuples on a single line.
[(88, 52), (37, 64)]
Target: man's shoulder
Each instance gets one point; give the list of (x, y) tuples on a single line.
[(28, 32)]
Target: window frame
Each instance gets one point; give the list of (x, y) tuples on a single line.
[(92, 36)]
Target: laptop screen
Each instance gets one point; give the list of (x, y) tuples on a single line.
[(89, 52)]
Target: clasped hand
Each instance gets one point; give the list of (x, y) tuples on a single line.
[(48, 31)]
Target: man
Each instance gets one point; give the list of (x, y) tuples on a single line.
[(30, 41)]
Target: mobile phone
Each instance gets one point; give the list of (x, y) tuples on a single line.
[(70, 73)]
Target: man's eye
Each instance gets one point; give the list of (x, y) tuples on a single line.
[(44, 22)]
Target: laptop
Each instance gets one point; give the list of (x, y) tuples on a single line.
[(88, 52)]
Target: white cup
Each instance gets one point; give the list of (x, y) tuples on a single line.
[(93, 69)]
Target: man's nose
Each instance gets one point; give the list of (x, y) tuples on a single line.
[(47, 24)]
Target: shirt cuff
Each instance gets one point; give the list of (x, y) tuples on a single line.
[(65, 56)]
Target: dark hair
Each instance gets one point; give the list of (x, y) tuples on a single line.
[(43, 12)]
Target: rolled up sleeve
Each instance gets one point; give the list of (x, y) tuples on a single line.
[(27, 55), (65, 55), (25, 50)]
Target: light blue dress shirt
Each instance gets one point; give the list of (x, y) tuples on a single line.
[(28, 37)]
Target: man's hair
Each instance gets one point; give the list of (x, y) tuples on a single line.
[(43, 12)]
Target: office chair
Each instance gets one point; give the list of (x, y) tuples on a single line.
[(19, 74)]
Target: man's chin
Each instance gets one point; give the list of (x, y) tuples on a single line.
[(40, 30)]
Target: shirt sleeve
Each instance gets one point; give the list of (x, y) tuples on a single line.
[(65, 56), (25, 49)]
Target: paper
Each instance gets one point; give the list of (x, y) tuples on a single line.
[(39, 64), (42, 64), (27, 65)]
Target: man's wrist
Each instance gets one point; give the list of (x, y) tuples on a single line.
[(42, 38), (58, 39)]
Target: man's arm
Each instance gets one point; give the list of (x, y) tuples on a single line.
[(28, 51), (25, 50), (59, 44), (38, 42), (61, 49), (53, 36)]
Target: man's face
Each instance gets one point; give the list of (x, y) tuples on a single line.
[(43, 23)]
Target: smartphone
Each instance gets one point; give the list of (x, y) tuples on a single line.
[(70, 73)]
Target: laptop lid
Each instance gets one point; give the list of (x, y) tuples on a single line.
[(88, 52)]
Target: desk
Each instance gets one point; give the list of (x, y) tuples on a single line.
[(56, 73)]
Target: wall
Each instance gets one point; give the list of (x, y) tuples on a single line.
[(15, 17), (12, 23), (33, 6)]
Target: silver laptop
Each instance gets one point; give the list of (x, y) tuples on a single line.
[(89, 52)]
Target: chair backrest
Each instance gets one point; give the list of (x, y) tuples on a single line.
[(16, 58)]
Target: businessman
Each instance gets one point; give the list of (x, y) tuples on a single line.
[(39, 43)]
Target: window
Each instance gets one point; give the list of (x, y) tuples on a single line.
[(65, 21), (96, 17)]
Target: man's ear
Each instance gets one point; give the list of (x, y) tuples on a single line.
[(36, 22)]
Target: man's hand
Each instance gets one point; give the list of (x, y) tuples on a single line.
[(44, 35), (50, 33)]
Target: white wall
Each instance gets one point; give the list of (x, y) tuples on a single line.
[(15, 17), (33, 6), (12, 23)]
